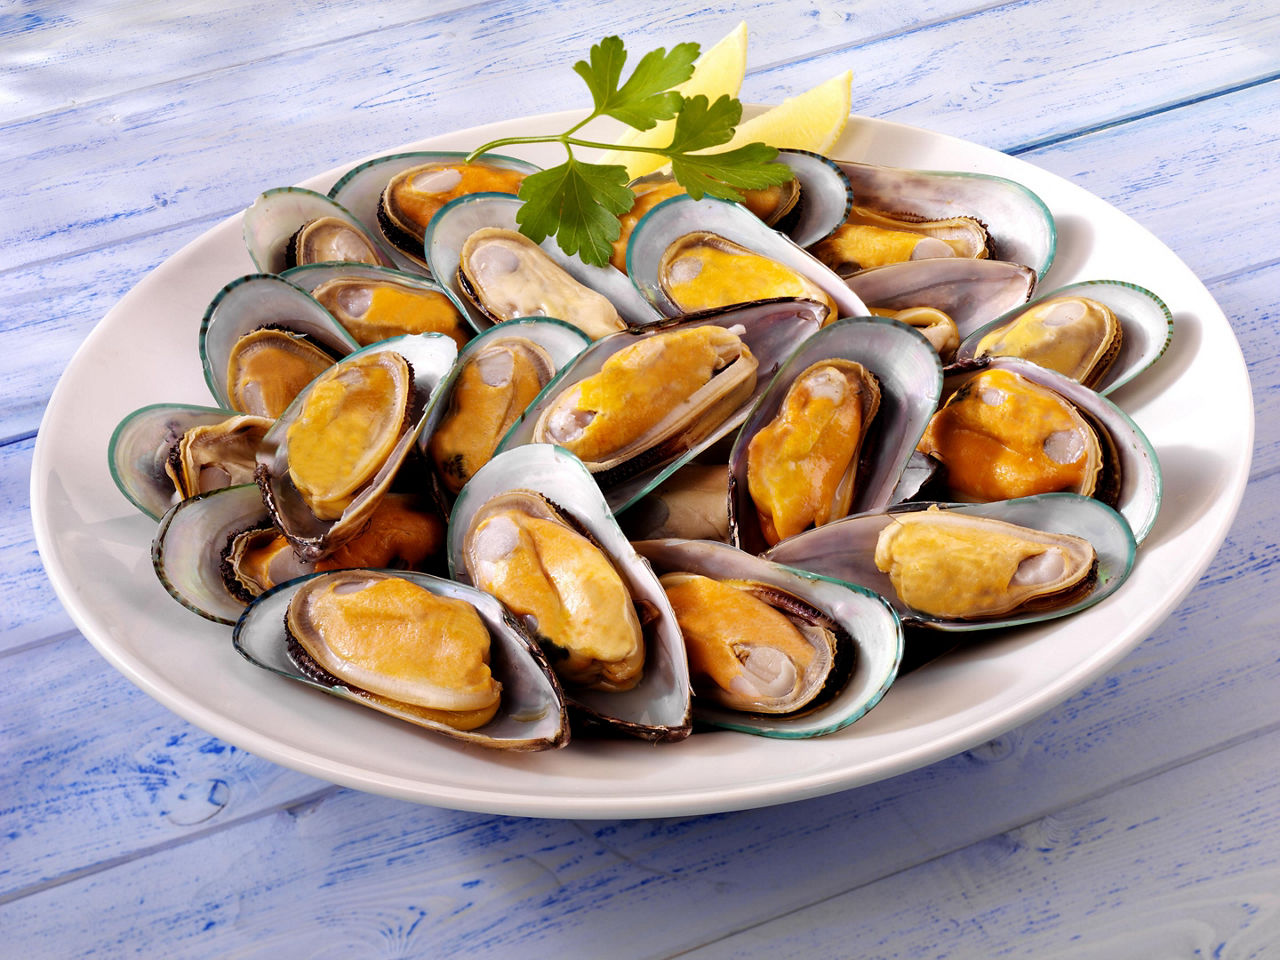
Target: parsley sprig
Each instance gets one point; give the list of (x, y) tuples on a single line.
[(579, 203)]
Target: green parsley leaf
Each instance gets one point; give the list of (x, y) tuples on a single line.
[(647, 96), (702, 124), (748, 167), (578, 203)]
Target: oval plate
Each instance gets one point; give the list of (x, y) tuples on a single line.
[(96, 548)]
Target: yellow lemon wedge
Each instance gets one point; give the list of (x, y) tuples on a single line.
[(813, 120), (718, 71)]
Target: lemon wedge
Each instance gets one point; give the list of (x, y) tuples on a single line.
[(813, 120), (718, 71)]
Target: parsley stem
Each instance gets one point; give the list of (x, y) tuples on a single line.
[(506, 142)]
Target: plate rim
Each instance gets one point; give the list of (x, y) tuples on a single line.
[(671, 801)]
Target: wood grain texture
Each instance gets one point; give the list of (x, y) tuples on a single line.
[(1136, 818), (1132, 876)]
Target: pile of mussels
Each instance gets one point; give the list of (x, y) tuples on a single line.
[(714, 486)]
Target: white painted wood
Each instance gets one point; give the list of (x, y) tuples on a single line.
[(1134, 817)]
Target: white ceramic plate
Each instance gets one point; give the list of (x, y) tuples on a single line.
[(96, 546)]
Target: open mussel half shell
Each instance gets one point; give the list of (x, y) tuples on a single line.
[(1018, 225), (250, 328), (1146, 327), (346, 500), (682, 217), (214, 553), (362, 191), (1130, 469), (531, 714), (846, 550), (768, 333), (144, 442), (657, 705), (447, 238), (906, 377), (864, 627), (290, 226), (376, 303), (824, 199), (482, 396), (970, 292), (187, 551)]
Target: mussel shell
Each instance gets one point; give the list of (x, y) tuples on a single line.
[(864, 617), (561, 342), (360, 189), (186, 552), (826, 197), (532, 715), (910, 377), (141, 444), (681, 215), (772, 330), (970, 292), (313, 276), (1138, 496), (460, 218), (1146, 323), (262, 300), (1019, 226), (277, 215), (658, 707), (845, 550), (430, 355)]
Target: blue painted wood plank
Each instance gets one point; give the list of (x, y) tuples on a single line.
[(301, 112), (1134, 874), (47, 308), (113, 860), (88, 794)]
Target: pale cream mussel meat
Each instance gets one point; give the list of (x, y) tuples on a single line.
[(618, 407), (1018, 226), (496, 377), (688, 255), (145, 453), (216, 552), (1078, 442), (291, 226), (262, 340), (461, 669), (418, 184), (211, 457), (1100, 332), (833, 432), (1076, 336), (975, 566), (772, 651), (375, 303), (524, 279), (335, 451), (946, 299), (506, 275), (532, 527)]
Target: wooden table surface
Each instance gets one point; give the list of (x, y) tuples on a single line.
[(1139, 818)]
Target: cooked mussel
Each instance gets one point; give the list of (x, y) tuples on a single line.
[(339, 623)]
